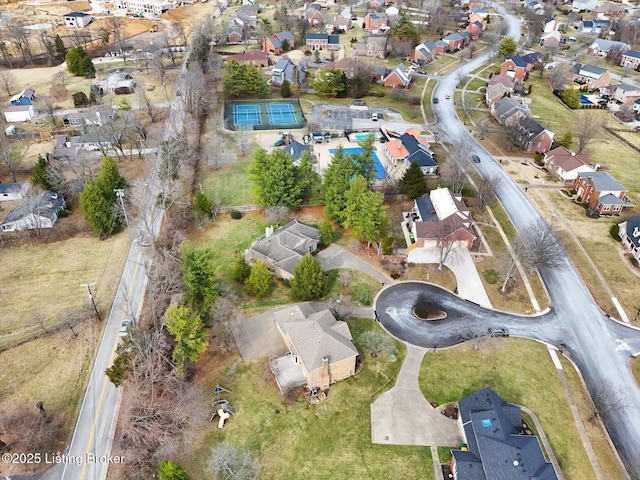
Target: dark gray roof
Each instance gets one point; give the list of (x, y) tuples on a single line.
[(12, 187), (602, 181), (419, 153), (506, 107), (518, 61), (633, 230), (47, 204), (592, 69), (493, 429), (76, 14), (531, 58), (426, 210), (295, 149), (632, 54), (528, 128), (610, 199)]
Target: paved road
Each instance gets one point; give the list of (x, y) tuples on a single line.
[(595, 345)]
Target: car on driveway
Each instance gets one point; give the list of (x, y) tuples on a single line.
[(475, 158), (498, 332)]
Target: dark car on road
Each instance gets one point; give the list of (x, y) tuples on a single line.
[(498, 332), (435, 100), (475, 158)]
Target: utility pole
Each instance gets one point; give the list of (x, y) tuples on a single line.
[(120, 194), (93, 299)]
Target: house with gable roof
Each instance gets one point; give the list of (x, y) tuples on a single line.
[(313, 15), (441, 217), (626, 94), (550, 39), (322, 41), (630, 59), (531, 136), (497, 447), (412, 147), (602, 193), (376, 23), (515, 67), (475, 29), (590, 75), (285, 69), (583, 5), (629, 232), (282, 250), (77, 19), (321, 346), (13, 191), (508, 111), (33, 213), (602, 47), (456, 41), (276, 42), (19, 113), (374, 47), (25, 97), (337, 24), (566, 164), (593, 26), (399, 77), (295, 149)]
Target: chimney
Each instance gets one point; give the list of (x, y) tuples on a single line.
[(325, 374), (268, 231)]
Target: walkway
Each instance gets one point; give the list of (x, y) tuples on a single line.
[(334, 257), (402, 416)]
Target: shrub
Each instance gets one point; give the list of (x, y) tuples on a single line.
[(236, 215), (387, 245), (491, 276), (613, 231)]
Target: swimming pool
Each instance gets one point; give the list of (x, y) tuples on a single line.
[(358, 137), (585, 101), (357, 151)]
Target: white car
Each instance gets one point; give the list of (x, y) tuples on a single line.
[(124, 328), (374, 117)]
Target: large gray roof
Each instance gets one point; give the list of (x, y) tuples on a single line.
[(47, 204), (602, 181)]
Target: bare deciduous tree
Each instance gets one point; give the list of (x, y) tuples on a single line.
[(49, 109), (476, 333), (606, 401), (535, 247), (7, 81), (227, 462), (486, 190), (587, 125), (559, 76), (454, 169), (12, 154), (277, 215), (376, 341)]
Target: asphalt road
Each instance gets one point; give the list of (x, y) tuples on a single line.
[(599, 347)]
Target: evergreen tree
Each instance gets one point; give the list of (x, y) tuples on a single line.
[(122, 364), (337, 180), (202, 206), (285, 89), (80, 99), (566, 140), (330, 82), (326, 232), (309, 281), (61, 50), (79, 62), (241, 269), (259, 282), (308, 180), (198, 270), (274, 177), (405, 31), (40, 174), (98, 200), (233, 78), (170, 470), (413, 183), (256, 83), (189, 334), (364, 212), (364, 163), (507, 47)]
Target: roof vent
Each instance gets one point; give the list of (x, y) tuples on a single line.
[(515, 463)]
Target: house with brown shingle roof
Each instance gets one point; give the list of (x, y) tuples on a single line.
[(565, 164)]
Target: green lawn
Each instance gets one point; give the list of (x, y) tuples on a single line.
[(230, 185), (359, 286), (521, 372), (328, 440), (475, 84)]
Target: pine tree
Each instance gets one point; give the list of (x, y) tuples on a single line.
[(198, 274), (189, 333), (40, 174), (309, 280), (285, 89), (566, 140), (507, 47), (337, 180), (79, 62), (274, 177), (61, 50), (170, 470), (326, 232), (364, 212), (202, 206), (308, 180), (413, 183), (259, 282), (241, 269)]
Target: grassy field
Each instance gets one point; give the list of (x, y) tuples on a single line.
[(230, 185), (521, 372), (328, 440)]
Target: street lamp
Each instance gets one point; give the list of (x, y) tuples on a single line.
[(120, 194)]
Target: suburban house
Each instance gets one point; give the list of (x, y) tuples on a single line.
[(424, 52), (252, 57), (13, 191), (234, 33), (456, 41), (247, 16), (532, 59), (630, 59), (593, 26), (550, 39), (508, 111), (494, 93), (550, 25), (583, 5), (564, 164), (321, 346), (497, 446), (602, 193), (532, 136), (629, 232), (19, 113), (98, 115), (441, 217), (475, 29), (602, 47), (285, 69), (25, 97), (626, 94), (313, 15), (120, 83), (636, 106), (399, 77), (77, 19), (36, 212), (411, 147), (337, 24), (374, 47), (376, 23), (282, 249), (322, 41), (591, 76), (609, 10), (534, 6), (277, 42), (515, 67), (350, 66)]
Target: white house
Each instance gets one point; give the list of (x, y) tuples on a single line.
[(629, 232), (144, 6), (77, 19), (36, 212), (13, 191), (19, 113)]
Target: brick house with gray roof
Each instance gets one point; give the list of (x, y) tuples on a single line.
[(498, 449), (275, 43), (282, 250), (590, 76), (601, 193)]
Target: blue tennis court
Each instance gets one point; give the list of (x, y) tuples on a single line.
[(380, 173), (246, 115), (281, 114)]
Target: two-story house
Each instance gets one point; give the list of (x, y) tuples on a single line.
[(376, 23), (602, 47), (629, 232), (399, 77), (515, 67), (630, 59), (602, 193), (373, 47), (279, 43), (591, 76), (322, 41), (565, 164)]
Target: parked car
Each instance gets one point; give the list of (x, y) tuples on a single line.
[(498, 332), (475, 158), (435, 100), (374, 117), (358, 102)]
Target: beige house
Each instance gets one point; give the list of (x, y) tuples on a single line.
[(281, 250), (319, 345)]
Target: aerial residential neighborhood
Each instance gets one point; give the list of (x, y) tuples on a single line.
[(313, 239)]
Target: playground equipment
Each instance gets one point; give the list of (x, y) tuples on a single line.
[(222, 408)]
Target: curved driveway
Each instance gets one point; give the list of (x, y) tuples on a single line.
[(599, 347)]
